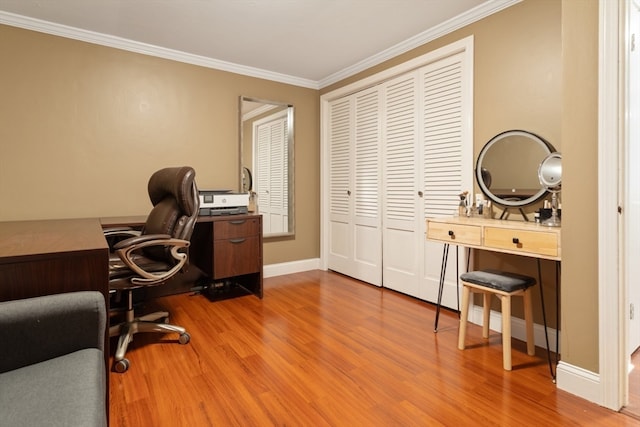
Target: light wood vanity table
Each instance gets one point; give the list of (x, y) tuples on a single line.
[(512, 237)]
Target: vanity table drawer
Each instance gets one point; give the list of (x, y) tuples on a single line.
[(533, 242), (454, 233)]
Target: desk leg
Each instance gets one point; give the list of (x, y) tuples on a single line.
[(443, 270), (544, 320)]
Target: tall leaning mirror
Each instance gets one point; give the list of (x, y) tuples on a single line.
[(266, 162)]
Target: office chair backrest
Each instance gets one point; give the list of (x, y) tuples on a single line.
[(174, 195)]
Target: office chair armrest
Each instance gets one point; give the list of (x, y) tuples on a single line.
[(113, 235), (120, 232), (128, 247), (137, 240), (36, 329)]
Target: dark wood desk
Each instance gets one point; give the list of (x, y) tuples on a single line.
[(51, 257)]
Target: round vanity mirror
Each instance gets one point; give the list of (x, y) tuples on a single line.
[(550, 176), (507, 168), (550, 172)]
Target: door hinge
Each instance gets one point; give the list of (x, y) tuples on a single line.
[(633, 42), (631, 311)]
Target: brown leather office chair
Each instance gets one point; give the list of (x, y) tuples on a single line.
[(154, 255)]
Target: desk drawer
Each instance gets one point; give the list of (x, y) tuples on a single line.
[(235, 257), (236, 228), (532, 242), (455, 233)]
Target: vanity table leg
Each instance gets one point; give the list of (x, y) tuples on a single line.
[(443, 270), (458, 280), (557, 313), (544, 320)]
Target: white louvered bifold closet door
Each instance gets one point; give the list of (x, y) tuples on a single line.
[(354, 205), (272, 171), (447, 158), (398, 153)]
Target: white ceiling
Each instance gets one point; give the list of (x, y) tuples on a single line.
[(310, 43)]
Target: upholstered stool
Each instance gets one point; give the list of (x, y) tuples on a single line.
[(503, 285)]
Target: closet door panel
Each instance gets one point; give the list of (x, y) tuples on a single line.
[(367, 251), (340, 135), (400, 192), (445, 154)]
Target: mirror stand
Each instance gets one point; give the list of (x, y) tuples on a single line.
[(505, 213), (554, 220)]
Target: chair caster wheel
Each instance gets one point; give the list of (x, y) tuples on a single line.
[(122, 365), (184, 338)]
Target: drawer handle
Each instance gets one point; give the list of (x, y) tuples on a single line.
[(451, 233), (515, 241), (238, 222), (237, 240)]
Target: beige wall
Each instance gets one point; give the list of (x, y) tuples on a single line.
[(69, 109), (580, 204), (82, 127)]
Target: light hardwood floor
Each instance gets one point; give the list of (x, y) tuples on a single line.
[(322, 349)]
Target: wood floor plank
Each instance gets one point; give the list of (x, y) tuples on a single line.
[(322, 349)]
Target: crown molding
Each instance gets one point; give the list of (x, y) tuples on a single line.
[(485, 9), (488, 8), (46, 27)]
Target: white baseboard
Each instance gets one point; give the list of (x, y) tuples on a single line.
[(518, 329), (579, 381), (291, 267)]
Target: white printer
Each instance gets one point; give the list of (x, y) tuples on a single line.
[(222, 202)]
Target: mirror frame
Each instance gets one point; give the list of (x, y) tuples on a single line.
[(290, 156), (479, 168)]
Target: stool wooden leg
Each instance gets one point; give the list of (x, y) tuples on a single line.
[(528, 319), (486, 313), (506, 332), (464, 315)]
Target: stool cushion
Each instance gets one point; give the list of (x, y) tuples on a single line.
[(501, 280)]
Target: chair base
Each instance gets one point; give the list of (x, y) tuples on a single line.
[(133, 325)]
